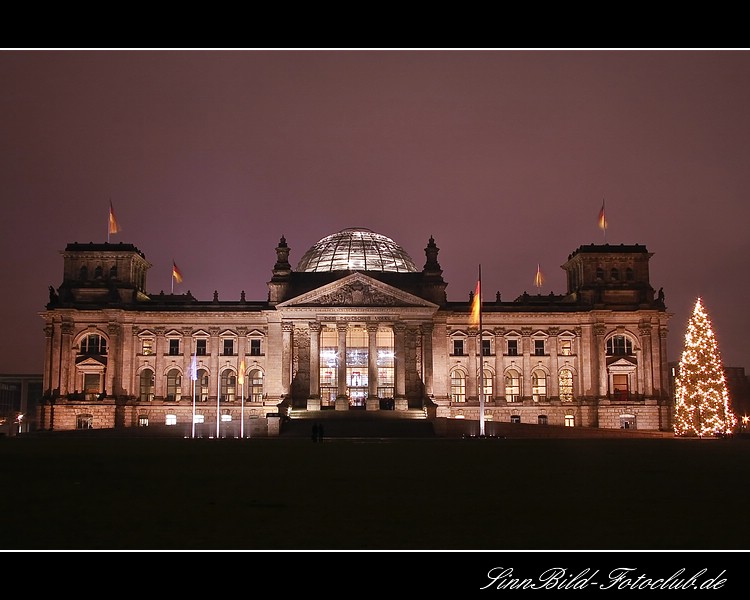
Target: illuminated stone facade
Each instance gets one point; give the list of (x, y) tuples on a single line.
[(118, 357)]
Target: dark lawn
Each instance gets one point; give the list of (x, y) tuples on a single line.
[(87, 493)]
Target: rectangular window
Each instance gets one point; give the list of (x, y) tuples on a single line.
[(538, 347), (147, 346), (228, 347), (486, 348), (512, 347), (200, 347), (458, 347), (255, 348), (171, 420), (566, 347), (174, 347), (570, 421)]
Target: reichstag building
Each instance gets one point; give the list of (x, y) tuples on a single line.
[(356, 326)]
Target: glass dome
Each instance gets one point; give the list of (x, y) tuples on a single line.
[(356, 249)]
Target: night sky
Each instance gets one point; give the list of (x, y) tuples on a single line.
[(503, 156)]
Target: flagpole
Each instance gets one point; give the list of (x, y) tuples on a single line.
[(109, 220), (242, 413), (218, 400), (193, 376), (481, 361)]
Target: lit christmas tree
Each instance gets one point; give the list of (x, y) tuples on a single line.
[(701, 397)]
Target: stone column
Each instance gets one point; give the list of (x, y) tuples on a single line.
[(472, 392), (49, 356), (241, 351), (213, 382), (187, 359), (647, 367), (401, 402), (313, 399), (287, 329), (342, 400), (578, 378), (159, 351), (427, 358), (498, 386), (664, 365), (372, 402), (554, 368), (67, 366), (599, 360), (112, 382), (526, 375)]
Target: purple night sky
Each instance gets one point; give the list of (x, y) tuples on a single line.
[(504, 156)]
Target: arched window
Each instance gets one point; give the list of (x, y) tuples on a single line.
[(599, 273), (615, 274), (202, 385), (147, 385), (619, 345), (512, 386), (174, 385), (458, 386), (487, 380), (84, 273), (629, 274), (539, 386), (113, 272), (566, 385), (98, 272), (256, 385), (228, 385), (93, 344)]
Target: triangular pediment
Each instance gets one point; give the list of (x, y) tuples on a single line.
[(91, 362), (357, 290), (621, 363)]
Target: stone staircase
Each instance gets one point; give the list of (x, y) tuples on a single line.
[(412, 423)]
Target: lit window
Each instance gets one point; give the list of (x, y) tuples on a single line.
[(174, 385), (619, 345), (512, 386), (147, 385), (228, 386), (84, 421), (142, 420), (256, 386), (199, 418), (566, 385), (566, 347), (147, 346), (487, 383), (226, 418), (458, 386), (539, 386), (570, 421), (171, 420)]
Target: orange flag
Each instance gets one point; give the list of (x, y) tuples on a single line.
[(113, 226), (602, 218), (476, 305), (176, 273)]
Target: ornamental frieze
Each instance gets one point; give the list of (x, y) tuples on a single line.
[(357, 293)]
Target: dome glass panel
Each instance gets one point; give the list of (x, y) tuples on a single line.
[(356, 249)]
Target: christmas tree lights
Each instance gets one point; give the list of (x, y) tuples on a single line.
[(701, 396)]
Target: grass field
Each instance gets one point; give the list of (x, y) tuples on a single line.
[(81, 493)]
